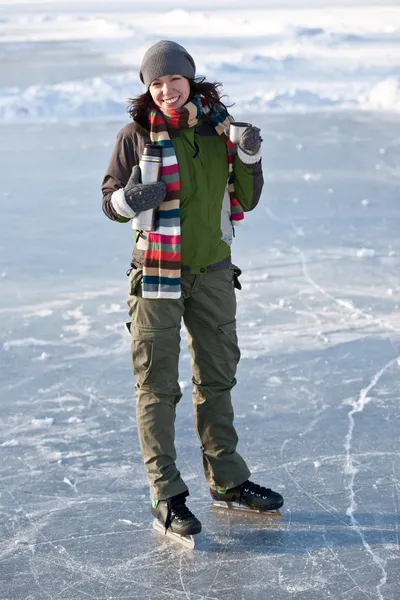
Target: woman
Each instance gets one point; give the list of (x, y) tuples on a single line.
[(183, 270)]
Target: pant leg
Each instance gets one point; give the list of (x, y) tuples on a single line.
[(210, 320), (155, 346)]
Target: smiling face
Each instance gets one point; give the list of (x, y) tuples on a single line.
[(170, 92)]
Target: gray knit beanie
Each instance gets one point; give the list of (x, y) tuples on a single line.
[(166, 58)]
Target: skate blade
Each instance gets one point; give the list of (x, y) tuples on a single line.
[(230, 507), (186, 541)]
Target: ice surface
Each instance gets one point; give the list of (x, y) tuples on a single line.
[(318, 385), (316, 403)]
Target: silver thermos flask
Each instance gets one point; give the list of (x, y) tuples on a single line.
[(150, 167)]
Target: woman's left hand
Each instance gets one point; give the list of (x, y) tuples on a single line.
[(250, 140)]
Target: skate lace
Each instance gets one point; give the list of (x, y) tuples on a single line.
[(255, 490), (178, 510)]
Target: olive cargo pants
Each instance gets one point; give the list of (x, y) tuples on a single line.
[(208, 308)]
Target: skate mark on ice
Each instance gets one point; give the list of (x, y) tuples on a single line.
[(351, 471), (57, 550), (173, 594), (219, 564), (88, 572), (326, 507), (181, 576), (302, 584), (349, 575), (344, 304), (192, 473), (89, 536), (332, 458), (32, 310)]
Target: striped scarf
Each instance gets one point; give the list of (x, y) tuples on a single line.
[(162, 261)]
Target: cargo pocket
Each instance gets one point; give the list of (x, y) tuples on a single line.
[(142, 354), (229, 346), (155, 357), (135, 282)]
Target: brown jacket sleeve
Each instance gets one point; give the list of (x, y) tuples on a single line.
[(126, 154)]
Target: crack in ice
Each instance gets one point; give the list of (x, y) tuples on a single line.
[(350, 470)]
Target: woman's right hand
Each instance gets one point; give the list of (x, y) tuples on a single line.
[(141, 196)]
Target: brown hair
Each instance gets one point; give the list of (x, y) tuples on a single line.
[(138, 107)]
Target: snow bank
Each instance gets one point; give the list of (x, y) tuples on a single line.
[(303, 58)]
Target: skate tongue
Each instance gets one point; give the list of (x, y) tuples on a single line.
[(177, 506), (178, 503), (179, 497)]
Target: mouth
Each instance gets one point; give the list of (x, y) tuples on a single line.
[(171, 101)]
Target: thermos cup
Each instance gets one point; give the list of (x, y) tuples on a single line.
[(150, 167), (236, 129)]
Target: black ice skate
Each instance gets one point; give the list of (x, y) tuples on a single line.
[(173, 518), (248, 498)]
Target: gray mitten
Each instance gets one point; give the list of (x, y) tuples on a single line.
[(141, 196), (250, 140)]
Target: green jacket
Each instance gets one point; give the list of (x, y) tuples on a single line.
[(204, 201)]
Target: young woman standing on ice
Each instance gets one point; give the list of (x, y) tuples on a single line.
[(182, 270)]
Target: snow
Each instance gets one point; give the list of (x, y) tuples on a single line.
[(293, 57), (316, 402)]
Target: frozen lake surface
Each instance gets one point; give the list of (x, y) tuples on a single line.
[(317, 400)]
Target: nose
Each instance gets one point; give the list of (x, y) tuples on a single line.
[(166, 87)]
